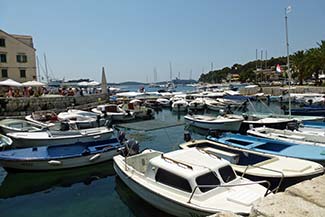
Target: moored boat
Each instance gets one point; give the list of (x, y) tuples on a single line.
[(187, 182), (18, 125), (57, 137), (114, 112), (274, 147), (180, 106), (294, 136), (281, 172), (56, 157), (221, 122)]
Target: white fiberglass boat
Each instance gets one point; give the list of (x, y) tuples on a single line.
[(188, 182), (56, 137), (197, 104), (295, 136), (222, 123), (180, 106), (280, 171), (114, 112)]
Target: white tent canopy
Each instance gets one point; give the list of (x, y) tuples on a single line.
[(10, 83), (33, 84)]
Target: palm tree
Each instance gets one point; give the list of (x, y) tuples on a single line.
[(298, 65)]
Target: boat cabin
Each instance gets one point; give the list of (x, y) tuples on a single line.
[(185, 170)]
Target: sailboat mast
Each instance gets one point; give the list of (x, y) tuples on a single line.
[(286, 11), (38, 73), (170, 71)]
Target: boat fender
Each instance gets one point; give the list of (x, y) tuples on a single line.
[(95, 157), (54, 162), (187, 136)]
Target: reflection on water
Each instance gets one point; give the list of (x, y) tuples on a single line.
[(16, 184), (137, 205)]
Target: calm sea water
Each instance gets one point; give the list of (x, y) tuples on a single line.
[(89, 191)]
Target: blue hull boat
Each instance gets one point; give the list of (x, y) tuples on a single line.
[(274, 147), (54, 157), (308, 110), (314, 124)]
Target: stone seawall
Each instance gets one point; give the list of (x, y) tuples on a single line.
[(23, 106), (276, 91)]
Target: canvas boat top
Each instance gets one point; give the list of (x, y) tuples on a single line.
[(60, 151)]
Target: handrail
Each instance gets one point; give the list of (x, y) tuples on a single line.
[(276, 171), (233, 185), (177, 162), (207, 152)]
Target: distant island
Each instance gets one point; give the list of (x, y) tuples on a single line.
[(175, 81)]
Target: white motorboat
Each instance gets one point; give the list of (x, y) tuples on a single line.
[(188, 182), (56, 137), (164, 102), (214, 105), (280, 171), (19, 125), (83, 119), (252, 121), (114, 112), (222, 123), (197, 104), (43, 117), (139, 111), (295, 136), (180, 106)]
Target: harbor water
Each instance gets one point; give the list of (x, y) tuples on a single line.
[(94, 190)]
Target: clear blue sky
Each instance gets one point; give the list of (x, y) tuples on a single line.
[(131, 37)]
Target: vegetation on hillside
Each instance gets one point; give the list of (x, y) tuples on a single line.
[(305, 64)]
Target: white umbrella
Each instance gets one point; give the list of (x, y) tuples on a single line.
[(93, 83), (10, 83), (83, 84), (33, 84)]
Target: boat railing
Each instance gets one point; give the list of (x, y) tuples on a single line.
[(176, 161), (263, 168), (268, 191)]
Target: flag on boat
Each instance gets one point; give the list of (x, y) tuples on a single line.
[(278, 68)]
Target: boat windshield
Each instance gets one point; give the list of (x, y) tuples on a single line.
[(227, 174), (207, 179)]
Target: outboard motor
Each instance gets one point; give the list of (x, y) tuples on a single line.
[(64, 126), (132, 147), (187, 136), (292, 126), (215, 133)]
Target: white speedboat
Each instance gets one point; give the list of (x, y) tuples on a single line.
[(56, 137), (197, 104), (188, 182), (280, 171), (295, 136), (114, 112), (180, 106), (222, 123)]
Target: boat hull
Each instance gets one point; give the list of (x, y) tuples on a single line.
[(167, 205), (233, 126), (57, 164), (24, 142), (277, 125)]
